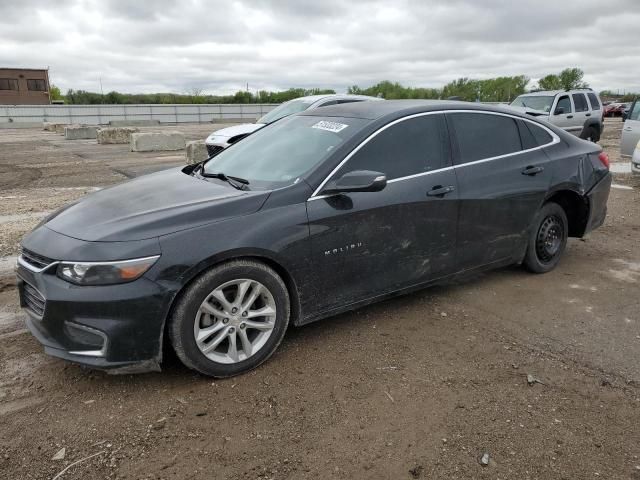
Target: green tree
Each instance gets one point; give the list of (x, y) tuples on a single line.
[(567, 79), (55, 93), (550, 82), (571, 78)]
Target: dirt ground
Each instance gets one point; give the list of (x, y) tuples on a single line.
[(421, 386)]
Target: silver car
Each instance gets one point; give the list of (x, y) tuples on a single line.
[(631, 136), (577, 111), (221, 139)]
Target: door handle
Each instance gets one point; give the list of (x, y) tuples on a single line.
[(569, 116), (531, 170), (587, 114), (440, 191), (628, 129)]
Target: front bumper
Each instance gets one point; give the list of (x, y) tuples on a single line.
[(105, 327)]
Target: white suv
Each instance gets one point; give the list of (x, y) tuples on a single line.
[(577, 111), (221, 139)]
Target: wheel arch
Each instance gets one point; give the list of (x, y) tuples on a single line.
[(261, 256), (575, 206), (591, 123)]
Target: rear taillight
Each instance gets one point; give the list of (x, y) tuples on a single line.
[(604, 159)]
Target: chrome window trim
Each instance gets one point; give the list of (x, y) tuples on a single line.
[(554, 140)]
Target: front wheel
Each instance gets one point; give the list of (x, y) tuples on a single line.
[(230, 319), (547, 238)]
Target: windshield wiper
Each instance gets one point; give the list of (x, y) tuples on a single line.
[(235, 182)]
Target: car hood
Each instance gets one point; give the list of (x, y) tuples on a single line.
[(151, 206), (225, 133), (530, 111)]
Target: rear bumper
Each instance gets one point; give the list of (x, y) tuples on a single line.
[(598, 197)]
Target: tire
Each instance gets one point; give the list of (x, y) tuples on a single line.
[(547, 238), (200, 312), (590, 133)]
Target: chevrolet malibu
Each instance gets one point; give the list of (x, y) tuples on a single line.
[(321, 212)]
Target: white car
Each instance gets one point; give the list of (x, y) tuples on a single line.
[(221, 139)]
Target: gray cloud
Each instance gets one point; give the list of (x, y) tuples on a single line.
[(220, 45)]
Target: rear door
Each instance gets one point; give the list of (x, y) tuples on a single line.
[(502, 178), (369, 243), (581, 113), (631, 130)]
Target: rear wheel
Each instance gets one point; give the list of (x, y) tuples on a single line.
[(547, 238), (231, 319)]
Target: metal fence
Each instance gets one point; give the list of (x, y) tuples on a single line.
[(103, 114)]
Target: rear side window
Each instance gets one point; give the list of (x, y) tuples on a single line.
[(580, 101), (528, 140), (541, 136), (410, 147), (484, 135), (595, 104)]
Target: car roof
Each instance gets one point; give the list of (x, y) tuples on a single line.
[(400, 108)]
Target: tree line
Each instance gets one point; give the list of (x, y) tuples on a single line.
[(499, 89)]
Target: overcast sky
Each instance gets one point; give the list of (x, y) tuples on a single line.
[(219, 46)]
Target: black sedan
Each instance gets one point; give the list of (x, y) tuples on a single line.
[(318, 213)]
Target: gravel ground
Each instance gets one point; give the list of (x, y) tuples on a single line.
[(422, 386)]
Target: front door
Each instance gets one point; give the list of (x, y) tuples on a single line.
[(563, 115), (366, 244)]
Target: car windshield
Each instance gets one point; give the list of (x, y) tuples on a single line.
[(279, 154), (286, 109), (535, 102)]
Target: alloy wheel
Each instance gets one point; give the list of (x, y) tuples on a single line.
[(235, 321)]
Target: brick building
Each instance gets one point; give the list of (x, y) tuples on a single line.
[(24, 86)]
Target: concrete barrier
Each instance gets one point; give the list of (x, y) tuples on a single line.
[(152, 142), (196, 151), (59, 128), (116, 134), (80, 132), (134, 123)]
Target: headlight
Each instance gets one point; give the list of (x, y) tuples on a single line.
[(105, 273)]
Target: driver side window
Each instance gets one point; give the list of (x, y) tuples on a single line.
[(565, 104), (410, 147)]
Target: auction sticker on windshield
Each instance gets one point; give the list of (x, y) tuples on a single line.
[(330, 126)]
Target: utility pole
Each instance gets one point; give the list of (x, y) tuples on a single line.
[(101, 92)]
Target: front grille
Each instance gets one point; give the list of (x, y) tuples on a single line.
[(35, 260), (33, 300), (214, 149)]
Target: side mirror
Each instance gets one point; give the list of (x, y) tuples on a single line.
[(624, 116), (559, 111), (357, 181)]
